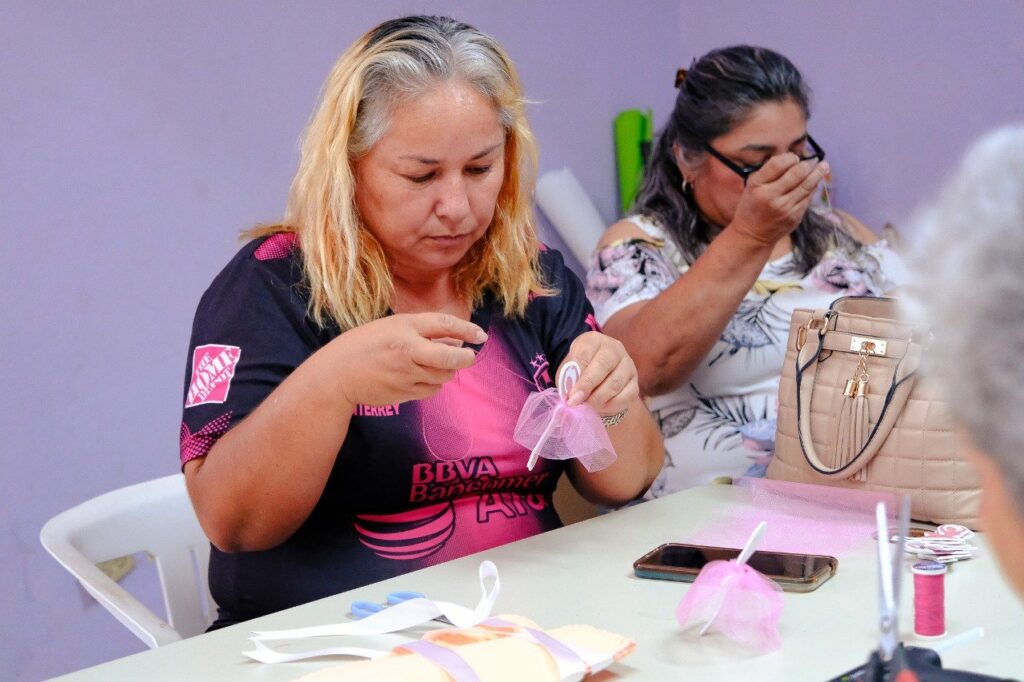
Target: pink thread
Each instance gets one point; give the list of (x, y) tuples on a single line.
[(929, 599)]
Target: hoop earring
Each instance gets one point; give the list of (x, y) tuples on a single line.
[(687, 187)]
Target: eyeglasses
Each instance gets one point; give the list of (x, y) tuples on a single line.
[(746, 171)]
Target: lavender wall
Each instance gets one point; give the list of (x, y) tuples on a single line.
[(139, 138)]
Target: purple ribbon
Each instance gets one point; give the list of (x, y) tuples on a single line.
[(446, 659), (456, 666), (565, 658)]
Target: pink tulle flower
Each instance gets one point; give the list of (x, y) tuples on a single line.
[(741, 603), (553, 430)]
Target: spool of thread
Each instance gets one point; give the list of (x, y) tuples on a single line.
[(929, 599)]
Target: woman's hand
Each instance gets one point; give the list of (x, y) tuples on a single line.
[(608, 380), (402, 357), (776, 197), (608, 383)]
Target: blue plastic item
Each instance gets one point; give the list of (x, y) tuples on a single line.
[(362, 608)]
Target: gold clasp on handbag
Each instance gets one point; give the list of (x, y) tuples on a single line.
[(813, 324), (860, 344), (858, 385)]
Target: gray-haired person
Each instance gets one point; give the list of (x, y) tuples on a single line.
[(724, 241), (970, 292)]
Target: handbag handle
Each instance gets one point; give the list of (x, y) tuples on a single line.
[(903, 379)]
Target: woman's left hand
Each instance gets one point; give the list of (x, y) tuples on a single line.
[(608, 380)]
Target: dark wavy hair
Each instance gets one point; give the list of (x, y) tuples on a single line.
[(718, 93)]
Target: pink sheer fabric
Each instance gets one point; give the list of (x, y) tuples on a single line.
[(745, 605), (553, 430), (802, 518)]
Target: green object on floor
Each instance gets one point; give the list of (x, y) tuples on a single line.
[(634, 131)]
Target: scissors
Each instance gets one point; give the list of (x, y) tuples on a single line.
[(362, 608), (889, 661)]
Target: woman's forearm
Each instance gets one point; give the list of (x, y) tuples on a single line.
[(640, 454), (261, 480), (670, 335)]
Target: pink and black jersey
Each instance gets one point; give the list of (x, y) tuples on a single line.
[(415, 483)]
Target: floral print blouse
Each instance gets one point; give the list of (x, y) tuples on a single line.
[(721, 422)]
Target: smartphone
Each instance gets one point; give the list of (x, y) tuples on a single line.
[(793, 572)]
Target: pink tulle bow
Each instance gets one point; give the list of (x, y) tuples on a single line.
[(553, 430), (742, 604)]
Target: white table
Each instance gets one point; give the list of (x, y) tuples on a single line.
[(583, 574)]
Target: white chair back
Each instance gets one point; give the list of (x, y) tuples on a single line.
[(154, 517)]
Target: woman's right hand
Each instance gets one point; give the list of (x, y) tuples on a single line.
[(402, 357), (776, 197)]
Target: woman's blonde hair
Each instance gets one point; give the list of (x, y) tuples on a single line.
[(345, 268)]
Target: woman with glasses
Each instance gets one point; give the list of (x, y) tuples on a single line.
[(724, 241)]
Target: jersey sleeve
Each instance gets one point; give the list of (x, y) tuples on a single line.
[(565, 315), (250, 332)]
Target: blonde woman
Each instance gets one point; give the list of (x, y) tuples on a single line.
[(355, 374)]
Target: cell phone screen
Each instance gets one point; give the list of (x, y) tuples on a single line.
[(770, 563), (683, 562)]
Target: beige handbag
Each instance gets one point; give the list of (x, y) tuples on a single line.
[(854, 413)]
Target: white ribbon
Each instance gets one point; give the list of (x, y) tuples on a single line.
[(266, 654), (401, 616)]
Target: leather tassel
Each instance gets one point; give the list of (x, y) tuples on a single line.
[(860, 426), (844, 433)]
